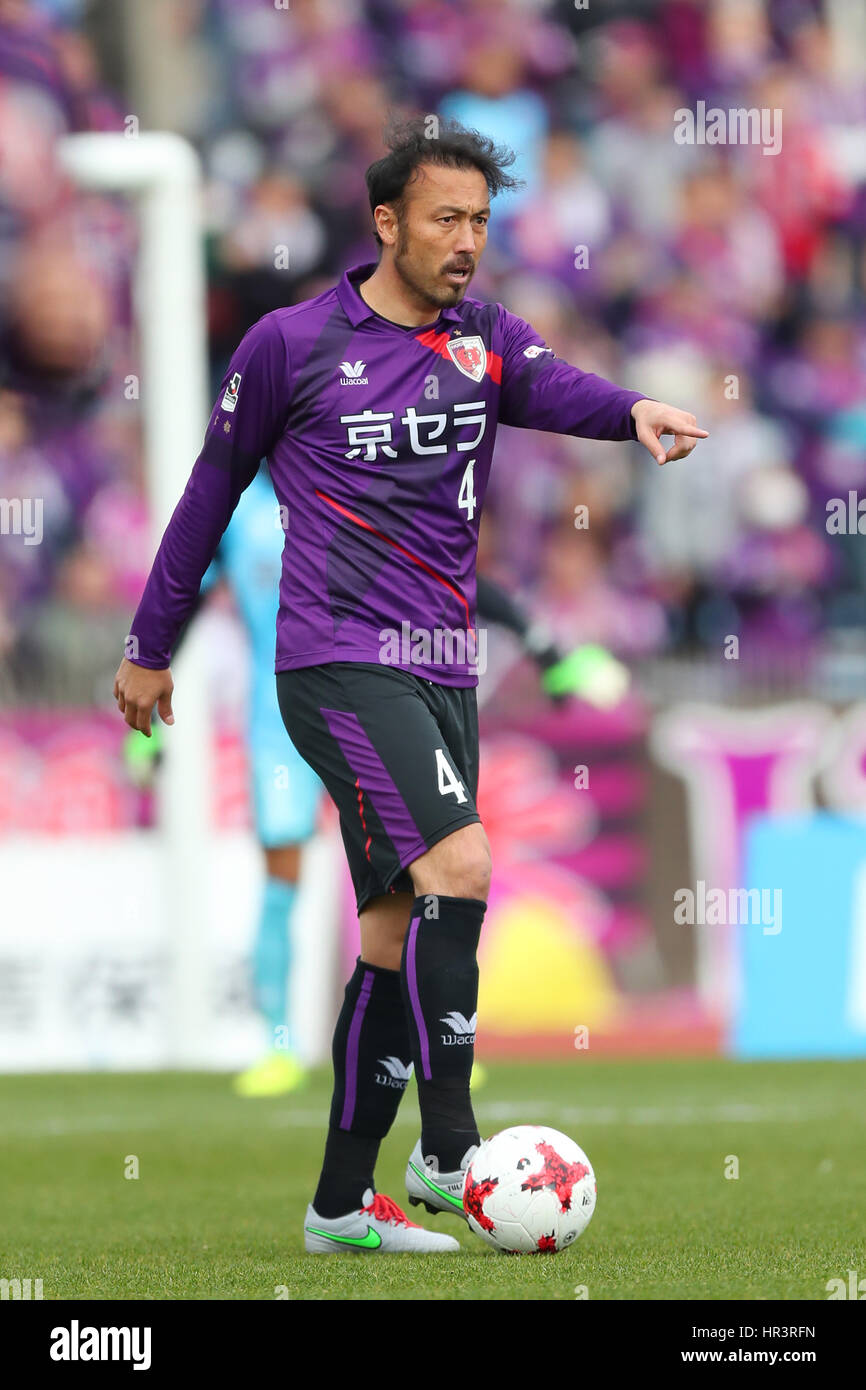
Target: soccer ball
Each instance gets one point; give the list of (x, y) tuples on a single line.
[(529, 1189)]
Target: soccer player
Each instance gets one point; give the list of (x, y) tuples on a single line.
[(249, 559), (376, 404), (284, 809)]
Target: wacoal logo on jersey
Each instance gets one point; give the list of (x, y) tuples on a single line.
[(469, 355), (462, 1029), (353, 374), (398, 1073)]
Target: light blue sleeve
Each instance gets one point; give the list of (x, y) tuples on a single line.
[(214, 572)]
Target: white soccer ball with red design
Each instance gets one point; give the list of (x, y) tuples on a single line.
[(529, 1189)]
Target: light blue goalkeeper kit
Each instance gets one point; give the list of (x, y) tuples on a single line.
[(285, 790)]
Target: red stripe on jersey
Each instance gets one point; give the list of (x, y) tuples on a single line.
[(359, 521), (435, 341)]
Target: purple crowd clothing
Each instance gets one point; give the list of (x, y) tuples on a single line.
[(379, 440)]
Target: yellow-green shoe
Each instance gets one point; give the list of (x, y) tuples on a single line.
[(275, 1075)]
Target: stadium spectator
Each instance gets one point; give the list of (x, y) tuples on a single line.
[(725, 260)]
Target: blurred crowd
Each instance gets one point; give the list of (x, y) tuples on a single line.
[(727, 280)]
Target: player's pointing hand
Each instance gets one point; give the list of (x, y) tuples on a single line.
[(654, 418), (137, 690)]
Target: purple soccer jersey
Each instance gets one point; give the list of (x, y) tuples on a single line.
[(379, 440)]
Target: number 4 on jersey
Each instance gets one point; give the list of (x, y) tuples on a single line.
[(466, 499), (448, 781)]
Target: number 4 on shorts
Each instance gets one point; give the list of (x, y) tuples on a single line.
[(448, 780)]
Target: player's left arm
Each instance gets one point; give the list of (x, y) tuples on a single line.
[(541, 392)]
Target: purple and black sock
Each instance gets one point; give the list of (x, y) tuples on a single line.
[(440, 989), (372, 1066)]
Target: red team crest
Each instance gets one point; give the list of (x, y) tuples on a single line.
[(469, 355)]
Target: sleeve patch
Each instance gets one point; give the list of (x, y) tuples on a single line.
[(230, 396)]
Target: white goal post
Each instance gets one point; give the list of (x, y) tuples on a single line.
[(161, 171)]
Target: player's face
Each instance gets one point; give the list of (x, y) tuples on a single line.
[(443, 232)]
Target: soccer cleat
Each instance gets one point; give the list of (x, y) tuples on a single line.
[(380, 1225), (275, 1075), (434, 1190)]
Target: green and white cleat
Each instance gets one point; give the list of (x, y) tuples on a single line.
[(380, 1226), (434, 1190)]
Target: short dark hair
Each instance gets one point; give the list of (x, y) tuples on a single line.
[(434, 140)]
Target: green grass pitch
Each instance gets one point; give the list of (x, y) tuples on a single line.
[(223, 1183)]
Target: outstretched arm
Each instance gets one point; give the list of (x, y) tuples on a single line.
[(654, 418), (541, 392)]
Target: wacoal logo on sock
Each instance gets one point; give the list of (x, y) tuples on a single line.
[(398, 1073), (462, 1029)]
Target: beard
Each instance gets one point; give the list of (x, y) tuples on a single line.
[(426, 287)]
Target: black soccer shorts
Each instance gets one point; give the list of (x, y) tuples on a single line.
[(398, 754)]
